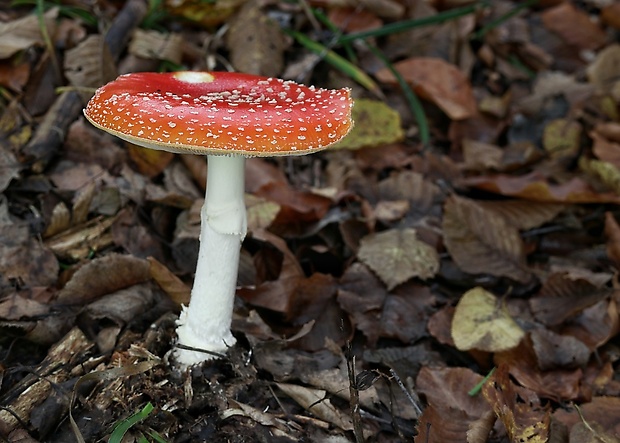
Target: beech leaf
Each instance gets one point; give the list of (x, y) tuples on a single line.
[(481, 241), (398, 255), (482, 322)]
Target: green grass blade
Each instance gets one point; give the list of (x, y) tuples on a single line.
[(122, 427), (336, 61), (501, 19), (406, 25), (413, 100)]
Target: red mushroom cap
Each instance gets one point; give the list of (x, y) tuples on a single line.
[(221, 113)]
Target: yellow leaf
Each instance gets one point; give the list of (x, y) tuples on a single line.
[(481, 322), (376, 124)]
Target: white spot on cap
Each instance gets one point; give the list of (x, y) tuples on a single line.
[(194, 77)]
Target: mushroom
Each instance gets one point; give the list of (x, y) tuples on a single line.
[(228, 117)]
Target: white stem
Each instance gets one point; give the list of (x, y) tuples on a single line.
[(205, 323)]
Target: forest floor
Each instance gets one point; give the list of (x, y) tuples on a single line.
[(446, 273)]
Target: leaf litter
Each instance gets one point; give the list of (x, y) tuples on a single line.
[(378, 280)]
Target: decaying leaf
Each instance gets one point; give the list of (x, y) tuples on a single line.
[(260, 212), (9, 168), (562, 297), (255, 42), (398, 255), (482, 322), (104, 276), (157, 45), (316, 402), (574, 26), (438, 81), (22, 256), (481, 241), (90, 63), (518, 408), (376, 124), (535, 186), (172, 285), (25, 32)]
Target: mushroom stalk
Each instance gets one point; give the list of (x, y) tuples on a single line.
[(205, 323)]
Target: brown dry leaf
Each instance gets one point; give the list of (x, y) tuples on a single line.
[(438, 81), (362, 295), (157, 45), (595, 325), (350, 19), (316, 402), (524, 215), (102, 276), (447, 388), (405, 313), (24, 32), (591, 433), (562, 297), (558, 384), (610, 14), (480, 156), (574, 26), (9, 167), (482, 322), (172, 285), (481, 241), (275, 294), (603, 72), (612, 232), (518, 408), (16, 307), (601, 412), (441, 426), (22, 256), (255, 42), (90, 63), (397, 255), (295, 206), (412, 186), (558, 351), (606, 146), (149, 162), (535, 186)]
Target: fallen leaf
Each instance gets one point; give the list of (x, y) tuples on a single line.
[(376, 124), (562, 138), (612, 232), (518, 408), (482, 322), (16, 307), (397, 255), (603, 71), (25, 32), (172, 285), (574, 26), (555, 384), (102, 276), (561, 298), (316, 402), (9, 167), (150, 44), (149, 162), (558, 351), (438, 81), (535, 186), (481, 241), (255, 42)]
